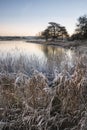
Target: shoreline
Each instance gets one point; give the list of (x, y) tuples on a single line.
[(59, 43), (79, 45), (64, 44)]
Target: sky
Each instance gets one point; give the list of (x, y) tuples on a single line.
[(29, 17)]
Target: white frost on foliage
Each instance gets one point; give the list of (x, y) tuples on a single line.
[(21, 79)]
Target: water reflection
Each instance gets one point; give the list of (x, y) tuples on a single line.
[(60, 55), (19, 47), (49, 57)]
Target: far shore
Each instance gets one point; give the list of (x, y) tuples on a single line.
[(61, 43)]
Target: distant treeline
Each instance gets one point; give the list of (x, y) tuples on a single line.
[(10, 37), (16, 37)]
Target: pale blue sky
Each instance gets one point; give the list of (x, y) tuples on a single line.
[(28, 17)]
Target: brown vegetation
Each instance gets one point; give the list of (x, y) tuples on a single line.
[(28, 103)]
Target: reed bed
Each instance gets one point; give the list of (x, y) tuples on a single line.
[(30, 101)]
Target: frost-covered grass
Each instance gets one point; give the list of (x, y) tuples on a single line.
[(49, 66), (28, 103)]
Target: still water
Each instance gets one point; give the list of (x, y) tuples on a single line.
[(40, 56)]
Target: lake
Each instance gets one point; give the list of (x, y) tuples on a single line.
[(22, 56)]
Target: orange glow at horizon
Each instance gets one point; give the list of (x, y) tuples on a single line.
[(25, 29)]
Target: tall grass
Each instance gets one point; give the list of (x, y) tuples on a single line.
[(27, 102), (15, 63)]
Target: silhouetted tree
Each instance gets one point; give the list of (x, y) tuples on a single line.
[(55, 31), (81, 30), (45, 34), (63, 32)]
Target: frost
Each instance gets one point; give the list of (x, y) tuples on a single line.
[(31, 101)]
